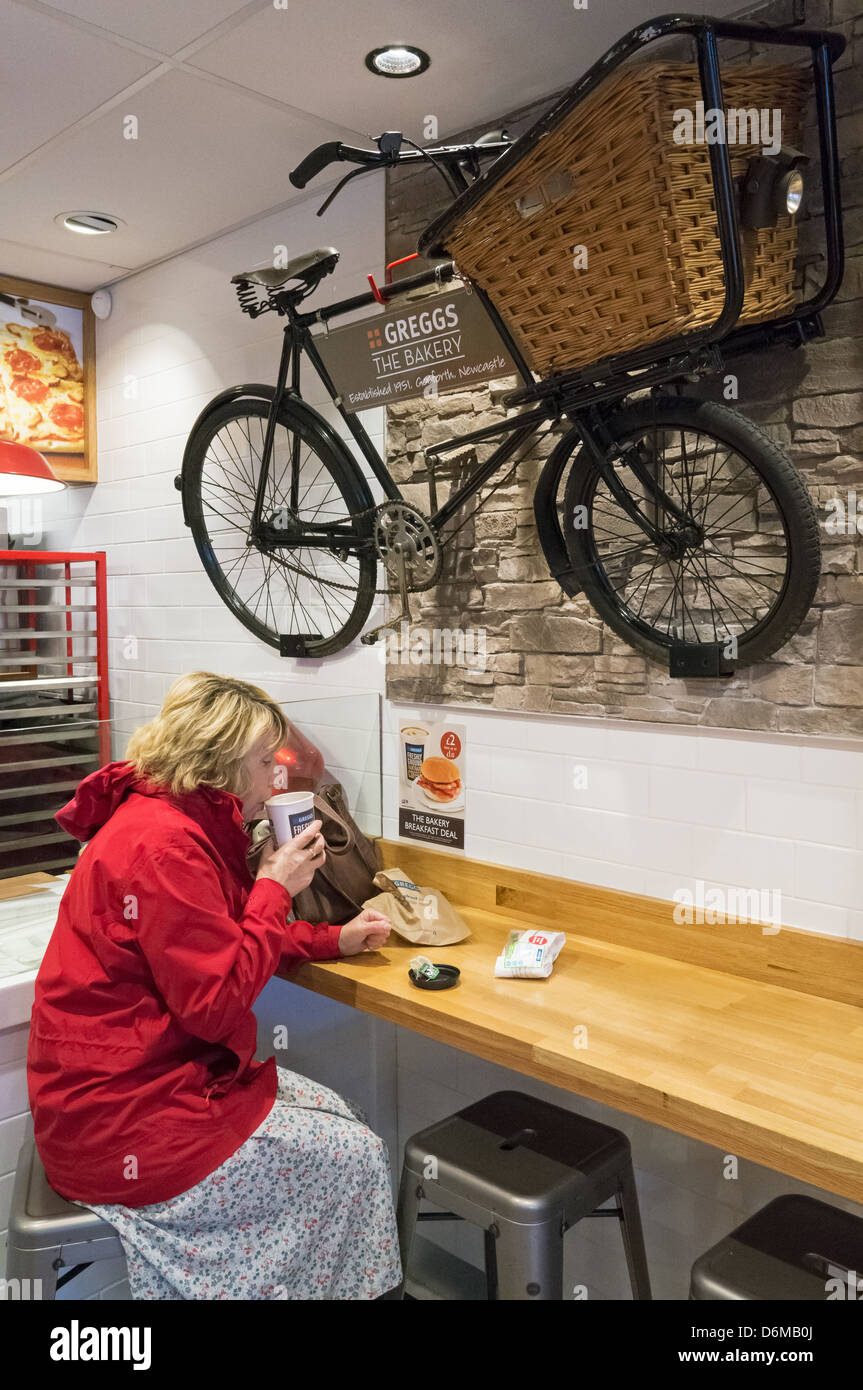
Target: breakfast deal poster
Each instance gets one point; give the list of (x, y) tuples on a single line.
[(432, 782)]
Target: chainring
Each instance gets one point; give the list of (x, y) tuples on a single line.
[(400, 529)]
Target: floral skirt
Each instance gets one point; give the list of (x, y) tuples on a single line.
[(303, 1209)]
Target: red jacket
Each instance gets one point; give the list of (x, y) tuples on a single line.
[(140, 1064)]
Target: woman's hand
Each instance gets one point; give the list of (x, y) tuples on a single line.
[(293, 865), (364, 933)]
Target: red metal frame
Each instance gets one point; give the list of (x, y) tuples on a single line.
[(412, 257), (389, 275), (30, 621), (67, 558), (67, 571)]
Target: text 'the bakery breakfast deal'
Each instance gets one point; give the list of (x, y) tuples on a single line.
[(41, 388)]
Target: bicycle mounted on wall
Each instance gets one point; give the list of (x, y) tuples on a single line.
[(284, 519)]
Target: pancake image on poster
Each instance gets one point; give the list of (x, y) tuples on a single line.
[(439, 783)]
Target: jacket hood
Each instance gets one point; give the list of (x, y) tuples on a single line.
[(98, 796)]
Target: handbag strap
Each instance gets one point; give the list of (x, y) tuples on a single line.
[(328, 809)]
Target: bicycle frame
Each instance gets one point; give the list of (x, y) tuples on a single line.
[(298, 339)]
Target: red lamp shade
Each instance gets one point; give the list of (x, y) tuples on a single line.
[(24, 472)]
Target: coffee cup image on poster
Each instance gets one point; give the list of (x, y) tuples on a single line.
[(432, 773)]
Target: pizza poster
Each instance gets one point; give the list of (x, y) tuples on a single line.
[(432, 771), (42, 369)]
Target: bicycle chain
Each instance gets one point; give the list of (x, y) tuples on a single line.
[(444, 540), (334, 583)]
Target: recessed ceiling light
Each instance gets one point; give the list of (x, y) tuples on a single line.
[(87, 223), (397, 60)]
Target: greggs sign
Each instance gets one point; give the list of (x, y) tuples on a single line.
[(415, 351)]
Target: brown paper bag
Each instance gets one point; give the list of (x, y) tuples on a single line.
[(420, 915)]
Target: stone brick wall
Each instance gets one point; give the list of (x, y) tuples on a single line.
[(546, 652)]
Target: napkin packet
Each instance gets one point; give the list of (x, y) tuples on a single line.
[(421, 915), (529, 954)]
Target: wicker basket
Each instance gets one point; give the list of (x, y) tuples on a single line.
[(610, 177)]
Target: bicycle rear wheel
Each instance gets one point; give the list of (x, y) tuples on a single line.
[(318, 595), (744, 574)]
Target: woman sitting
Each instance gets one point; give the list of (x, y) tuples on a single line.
[(223, 1176)]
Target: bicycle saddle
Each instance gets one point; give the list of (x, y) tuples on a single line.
[(311, 267)]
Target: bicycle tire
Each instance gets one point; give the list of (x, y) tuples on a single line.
[(777, 473), (345, 475)]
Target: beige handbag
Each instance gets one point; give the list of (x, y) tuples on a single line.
[(420, 915)]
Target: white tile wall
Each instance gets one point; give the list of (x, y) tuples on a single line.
[(662, 807), (652, 810)]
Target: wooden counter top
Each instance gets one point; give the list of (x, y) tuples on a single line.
[(762, 1058), (24, 885)]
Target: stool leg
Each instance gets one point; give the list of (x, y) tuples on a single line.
[(406, 1220), (29, 1266), (490, 1265), (633, 1237), (529, 1261)]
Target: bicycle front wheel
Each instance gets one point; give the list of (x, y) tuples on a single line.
[(317, 595), (742, 572)]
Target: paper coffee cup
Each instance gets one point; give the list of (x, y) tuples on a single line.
[(290, 814), (414, 745)]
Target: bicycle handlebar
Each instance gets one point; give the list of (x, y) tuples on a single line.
[(314, 162), (329, 153)]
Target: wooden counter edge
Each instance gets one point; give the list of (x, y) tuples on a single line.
[(728, 1132)]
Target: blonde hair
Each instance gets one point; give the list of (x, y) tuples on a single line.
[(203, 731)]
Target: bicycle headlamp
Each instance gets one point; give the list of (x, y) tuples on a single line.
[(791, 188), (772, 187)]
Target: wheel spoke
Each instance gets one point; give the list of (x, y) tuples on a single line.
[(285, 589), (703, 585)]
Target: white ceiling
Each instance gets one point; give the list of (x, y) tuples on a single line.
[(229, 96)]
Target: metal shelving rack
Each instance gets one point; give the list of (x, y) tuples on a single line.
[(54, 706)]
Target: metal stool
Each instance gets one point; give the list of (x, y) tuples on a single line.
[(525, 1171), (47, 1234), (789, 1249)]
